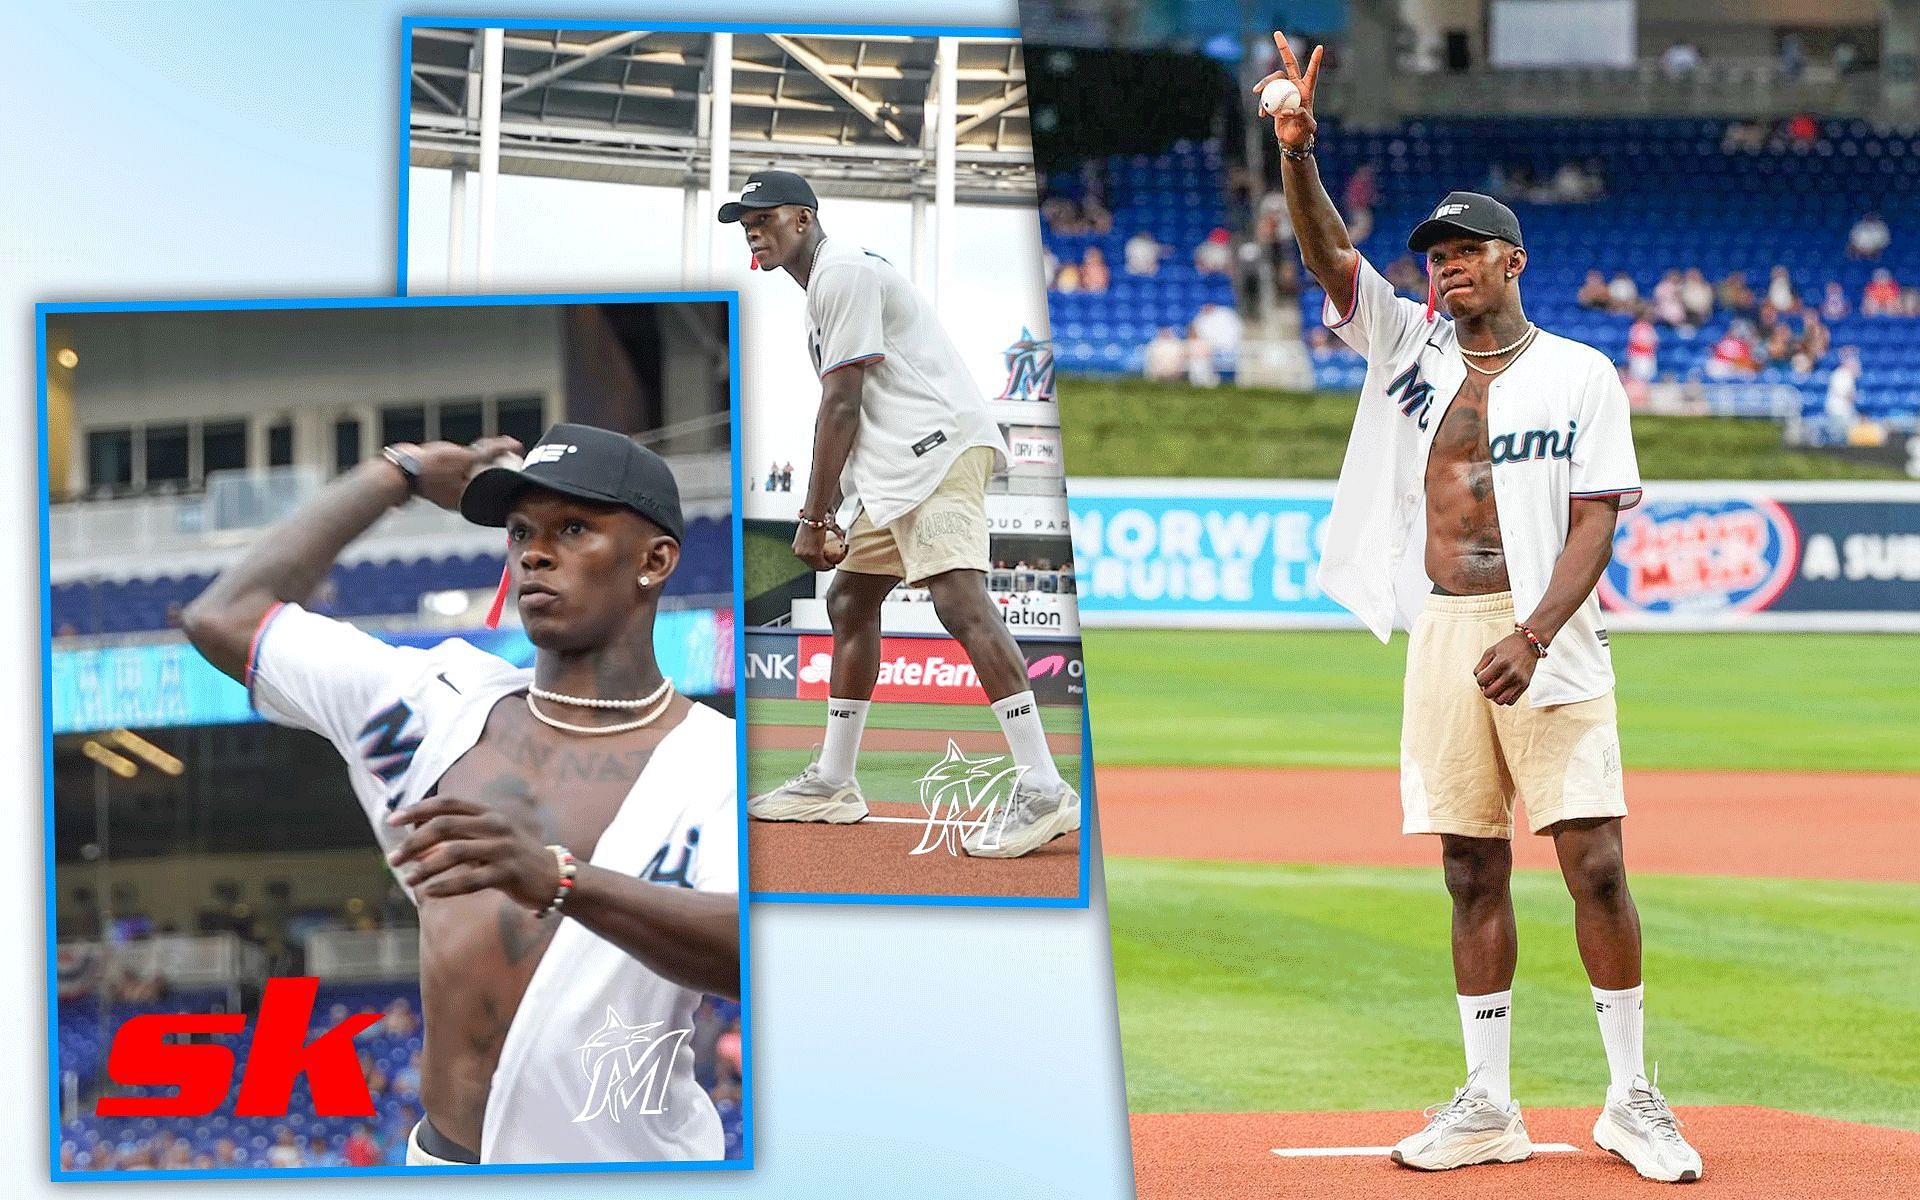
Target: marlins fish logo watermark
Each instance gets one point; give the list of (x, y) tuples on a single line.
[(962, 794), (627, 1068)]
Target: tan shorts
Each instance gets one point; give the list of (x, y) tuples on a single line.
[(947, 532), (1463, 758)]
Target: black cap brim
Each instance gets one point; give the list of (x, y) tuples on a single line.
[(489, 497), (1426, 233)]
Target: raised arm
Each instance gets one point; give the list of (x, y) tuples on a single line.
[(834, 431), (1325, 248), (289, 561)]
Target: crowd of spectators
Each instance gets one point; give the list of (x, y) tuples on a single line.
[(1195, 356)]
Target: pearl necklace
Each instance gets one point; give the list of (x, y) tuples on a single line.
[(592, 702), (1531, 330), (1522, 344), (815, 260), (602, 730)]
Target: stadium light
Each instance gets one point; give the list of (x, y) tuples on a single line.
[(147, 752), (124, 767), (67, 358)]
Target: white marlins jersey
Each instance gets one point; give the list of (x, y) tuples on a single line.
[(577, 1078), (1557, 428), (920, 406)]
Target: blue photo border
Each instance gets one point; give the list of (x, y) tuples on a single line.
[(407, 26), (41, 312)]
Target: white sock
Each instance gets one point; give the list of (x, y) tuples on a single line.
[(1486, 1025), (1020, 721), (1622, 1021), (846, 720)]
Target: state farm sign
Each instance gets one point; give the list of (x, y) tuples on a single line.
[(928, 670)]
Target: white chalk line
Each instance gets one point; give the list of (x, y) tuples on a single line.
[(1382, 1151)]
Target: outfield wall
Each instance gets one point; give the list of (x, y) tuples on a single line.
[(789, 664), (1239, 553)]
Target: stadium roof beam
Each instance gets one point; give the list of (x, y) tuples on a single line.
[(990, 110), (435, 94), (817, 67), (593, 53)]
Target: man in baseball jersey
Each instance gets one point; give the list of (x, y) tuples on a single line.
[(1477, 499), (903, 433), (569, 833)]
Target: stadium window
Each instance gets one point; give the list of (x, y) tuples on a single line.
[(522, 417), (223, 447), (346, 445), (169, 454), (109, 458), (403, 423), (280, 444), (463, 422)]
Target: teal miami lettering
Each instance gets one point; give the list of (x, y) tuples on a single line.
[(1413, 395), (1534, 443)]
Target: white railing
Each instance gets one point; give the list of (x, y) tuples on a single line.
[(364, 954), (182, 960), (146, 536)]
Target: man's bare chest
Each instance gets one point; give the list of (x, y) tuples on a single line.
[(1463, 437), (562, 788)]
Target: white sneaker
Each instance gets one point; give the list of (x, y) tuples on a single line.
[(1466, 1130), (808, 797), (1029, 819), (1640, 1128)]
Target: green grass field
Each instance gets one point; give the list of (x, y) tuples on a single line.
[(1132, 427), (1802, 701), (888, 774), (1249, 987)]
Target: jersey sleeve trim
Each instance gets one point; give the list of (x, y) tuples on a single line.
[(858, 359), (1628, 497), (1353, 304), (253, 648)]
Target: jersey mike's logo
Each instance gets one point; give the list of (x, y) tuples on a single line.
[(1701, 556), (628, 1068)]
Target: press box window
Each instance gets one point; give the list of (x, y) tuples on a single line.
[(405, 423), (169, 457), (523, 417), (110, 458), (223, 447)]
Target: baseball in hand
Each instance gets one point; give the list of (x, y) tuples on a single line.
[(836, 548), (1278, 95)]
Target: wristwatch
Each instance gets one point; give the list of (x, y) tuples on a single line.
[(409, 467)]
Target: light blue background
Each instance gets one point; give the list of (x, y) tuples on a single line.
[(185, 151)]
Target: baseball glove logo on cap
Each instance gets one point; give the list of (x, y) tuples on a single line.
[(586, 463)]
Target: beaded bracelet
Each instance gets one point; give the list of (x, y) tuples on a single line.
[(1533, 639), (569, 867), (1301, 155), (826, 522)]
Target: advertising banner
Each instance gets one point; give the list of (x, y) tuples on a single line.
[(784, 665), (1703, 556), (1200, 552)]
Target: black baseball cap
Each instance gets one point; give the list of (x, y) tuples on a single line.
[(586, 463), (1467, 214), (769, 189)]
